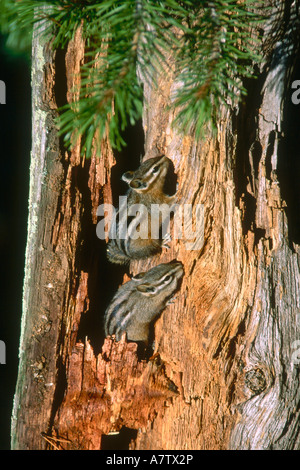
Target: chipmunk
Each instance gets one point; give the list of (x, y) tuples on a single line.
[(146, 187), (140, 301)]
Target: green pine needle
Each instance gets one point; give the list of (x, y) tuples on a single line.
[(212, 43)]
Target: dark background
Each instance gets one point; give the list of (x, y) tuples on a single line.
[(15, 145)]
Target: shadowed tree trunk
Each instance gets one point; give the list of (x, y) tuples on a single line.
[(226, 372)]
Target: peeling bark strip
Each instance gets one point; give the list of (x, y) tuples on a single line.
[(227, 342)]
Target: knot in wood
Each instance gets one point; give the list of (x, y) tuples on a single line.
[(255, 380)]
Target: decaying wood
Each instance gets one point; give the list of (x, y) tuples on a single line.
[(110, 391), (223, 374), (56, 283)]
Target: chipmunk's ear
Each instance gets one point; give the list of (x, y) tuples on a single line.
[(127, 177), (137, 184), (138, 276), (146, 289)]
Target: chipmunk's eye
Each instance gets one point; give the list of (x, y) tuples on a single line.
[(167, 278), (155, 169)]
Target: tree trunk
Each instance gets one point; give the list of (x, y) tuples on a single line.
[(225, 373)]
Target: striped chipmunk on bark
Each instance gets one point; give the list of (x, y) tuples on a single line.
[(146, 192), (140, 301)]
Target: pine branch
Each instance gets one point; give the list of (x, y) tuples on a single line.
[(210, 41)]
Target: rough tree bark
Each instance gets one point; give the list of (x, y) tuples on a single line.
[(226, 375)]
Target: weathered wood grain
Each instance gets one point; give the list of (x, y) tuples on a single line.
[(225, 374)]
